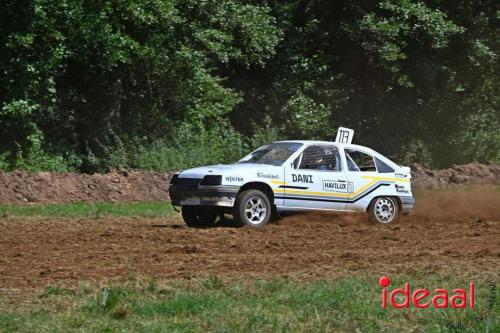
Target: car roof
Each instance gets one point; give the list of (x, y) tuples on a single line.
[(348, 146), (310, 142)]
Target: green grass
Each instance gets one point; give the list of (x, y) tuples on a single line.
[(343, 305), (142, 209)]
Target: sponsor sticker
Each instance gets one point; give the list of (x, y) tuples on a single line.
[(401, 189), (302, 178), (233, 179), (337, 186), (267, 175)]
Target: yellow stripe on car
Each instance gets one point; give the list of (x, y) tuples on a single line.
[(391, 179), (329, 194), (374, 180)]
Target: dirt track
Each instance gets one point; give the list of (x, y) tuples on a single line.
[(455, 232)]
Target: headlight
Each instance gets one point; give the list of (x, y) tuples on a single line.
[(211, 180)]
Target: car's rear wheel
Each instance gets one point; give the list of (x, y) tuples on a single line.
[(253, 208), (383, 210), (199, 216)]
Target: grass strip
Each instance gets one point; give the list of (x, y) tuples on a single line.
[(141, 209), (348, 304)]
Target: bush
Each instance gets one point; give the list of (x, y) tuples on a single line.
[(415, 152), (263, 135), (34, 158), (190, 147), (306, 118), (479, 139)]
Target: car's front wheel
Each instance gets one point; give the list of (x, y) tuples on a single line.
[(199, 216), (252, 208), (383, 210)]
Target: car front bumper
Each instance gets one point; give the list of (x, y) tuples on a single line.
[(210, 195), (407, 204)]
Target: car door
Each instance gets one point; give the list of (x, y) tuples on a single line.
[(316, 180), (362, 173)]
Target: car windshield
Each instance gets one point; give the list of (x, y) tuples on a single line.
[(274, 154)]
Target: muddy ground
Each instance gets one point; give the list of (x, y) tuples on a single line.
[(450, 232)]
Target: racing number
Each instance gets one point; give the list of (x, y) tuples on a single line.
[(344, 135)]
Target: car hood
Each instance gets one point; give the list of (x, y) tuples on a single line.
[(221, 169)]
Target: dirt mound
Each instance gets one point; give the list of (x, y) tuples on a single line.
[(458, 175), (125, 186), (45, 187), (443, 236)]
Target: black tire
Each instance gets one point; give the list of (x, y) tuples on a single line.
[(383, 210), (252, 208), (199, 216)]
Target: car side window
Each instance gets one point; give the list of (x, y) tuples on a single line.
[(382, 167), (319, 157), (351, 166), (359, 161)]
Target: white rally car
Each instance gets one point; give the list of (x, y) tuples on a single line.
[(295, 176)]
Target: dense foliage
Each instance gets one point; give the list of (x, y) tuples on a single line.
[(163, 84)]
